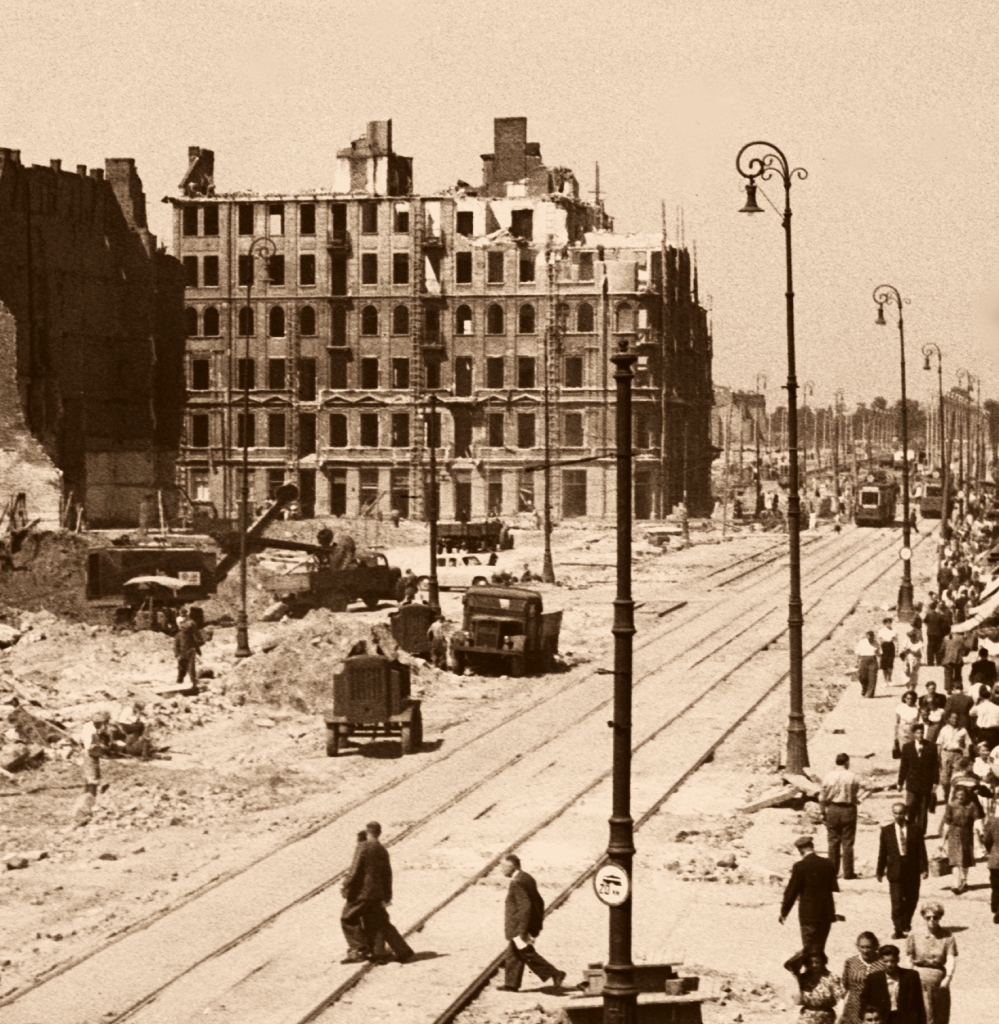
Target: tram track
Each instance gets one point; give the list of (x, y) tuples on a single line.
[(739, 608)]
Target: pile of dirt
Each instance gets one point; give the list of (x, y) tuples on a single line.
[(50, 572)]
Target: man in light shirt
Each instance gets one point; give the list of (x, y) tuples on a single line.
[(985, 716), (867, 664), (838, 799), (96, 740)]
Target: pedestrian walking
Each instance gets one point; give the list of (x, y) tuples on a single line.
[(896, 992), (902, 860), (932, 950), (913, 654), (867, 664), (958, 827), (367, 891), (95, 737), (917, 776), (187, 644), (886, 640), (818, 989), (952, 657), (838, 800), (983, 671), (906, 716), (856, 969), (811, 885), (953, 743), (524, 916), (437, 635), (938, 623), (931, 709), (984, 717), (990, 840), (960, 703)]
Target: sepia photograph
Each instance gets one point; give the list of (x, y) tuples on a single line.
[(499, 512)]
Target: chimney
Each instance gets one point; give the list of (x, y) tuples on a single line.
[(97, 173), (56, 165), (81, 169), (380, 137), (510, 142)]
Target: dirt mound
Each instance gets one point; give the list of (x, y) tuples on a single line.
[(50, 572)]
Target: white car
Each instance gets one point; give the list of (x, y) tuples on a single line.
[(458, 572)]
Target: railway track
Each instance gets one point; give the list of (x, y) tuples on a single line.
[(241, 966)]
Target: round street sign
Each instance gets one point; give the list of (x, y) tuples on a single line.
[(905, 554), (612, 885)]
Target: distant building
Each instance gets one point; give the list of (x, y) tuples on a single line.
[(504, 300), (91, 345)]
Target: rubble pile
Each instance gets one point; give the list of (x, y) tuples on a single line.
[(50, 571)]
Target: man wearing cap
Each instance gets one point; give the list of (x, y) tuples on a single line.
[(838, 799), (812, 884), (96, 740), (367, 890)]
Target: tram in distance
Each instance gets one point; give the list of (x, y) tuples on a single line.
[(877, 498), (931, 503)]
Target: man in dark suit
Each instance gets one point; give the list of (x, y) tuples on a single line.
[(902, 858), (918, 771), (524, 918), (895, 991), (367, 890), (812, 884)]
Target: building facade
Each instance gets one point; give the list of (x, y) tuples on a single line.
[(501, 302), (91, 345)]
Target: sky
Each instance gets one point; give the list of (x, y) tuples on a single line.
[(890, 107)]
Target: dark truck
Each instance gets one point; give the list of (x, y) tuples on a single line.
[(507, 631), (490, 535)]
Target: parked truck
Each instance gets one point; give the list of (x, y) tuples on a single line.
[(507, 631)]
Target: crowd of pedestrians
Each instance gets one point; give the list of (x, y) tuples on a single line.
[(946, 745)]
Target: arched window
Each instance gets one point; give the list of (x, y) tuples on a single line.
[(624, 319), (369, 320), (276, 322), (463, 320), (191, 322), (494, 319), (525, 320), (246, 327), (400, 320), (306, 321), (584, 318), (210, 322)]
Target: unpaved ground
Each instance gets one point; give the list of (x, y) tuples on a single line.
[(247, 769)]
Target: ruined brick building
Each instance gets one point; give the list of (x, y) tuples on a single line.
[(91, 344), (503, 300)]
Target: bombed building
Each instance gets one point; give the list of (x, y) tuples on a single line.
[(91, 346), (343, 311)]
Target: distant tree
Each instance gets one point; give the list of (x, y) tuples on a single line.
[(879, 403)]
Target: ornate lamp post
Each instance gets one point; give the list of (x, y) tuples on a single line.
[(932, 349), (886, 293), (264, 248), (769, 162)]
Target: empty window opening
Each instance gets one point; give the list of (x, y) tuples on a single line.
[(497, 429), (276, 430), (369, 430), (307, 379), (525, 430), (584, 318), (525, 321), (191, 271), (527, 265), (338, 276), (210, 326), (573, 493), (245, 269), (400, 374), (338, 430), (463, 267), (573, 371), (307, 219), (494, 494), (399, 488), (624, 319), (433, 375), (463, 376), (191, 322), (400, 268), (211, 219), (402, 218), (199, 431), (275, 322), (368, 490), (276, 373), (275, 270), (586, 266), (495, 372), (307, 268), (246, 430), (307, 321), (200, 377), (338, 325), (525, 491), (522, 224), (338, 492), (572, 435), (246, 322), (463, 320), (400, 430), (190, 219), (369, 218), (494, 319), (246, 218), (211, 271), (369, 268), (338, 222), (369, 320), (525, 371), (369, 374), (400, 320), (465, 222), (462, 422), (433, 323), (275, 219), (338, 369), (496, 267), (306, 434)]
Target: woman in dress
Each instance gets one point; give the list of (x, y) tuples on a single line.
[(913, 658), (886, 638), (933, 952), (959, 835), (906, 716), (818, 990), (855, 971)]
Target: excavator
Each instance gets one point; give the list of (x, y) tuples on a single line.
[(337, 573)]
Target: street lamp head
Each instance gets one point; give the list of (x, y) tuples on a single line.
[(752, 206), (926, 362), (881, 315)]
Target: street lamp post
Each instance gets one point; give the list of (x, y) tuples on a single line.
[(264, 248), (933, 349), (620, 994), (886, 293), (769, 163)]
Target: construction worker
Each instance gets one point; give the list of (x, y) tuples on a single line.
[(96, 740), (186, 647), (437, 635)]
